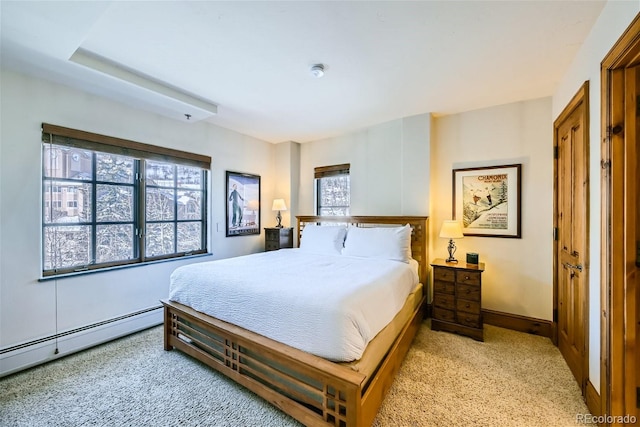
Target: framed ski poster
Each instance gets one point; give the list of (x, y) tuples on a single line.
[(486, 200)]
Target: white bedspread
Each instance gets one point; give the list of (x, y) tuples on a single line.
[(327, 305)]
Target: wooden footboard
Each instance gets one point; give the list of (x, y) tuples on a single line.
[(312, 390)]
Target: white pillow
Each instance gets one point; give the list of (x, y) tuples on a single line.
[(379, 242), (322, 240)]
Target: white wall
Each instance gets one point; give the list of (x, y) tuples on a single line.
[(389, 167), (518, 275), (287, 167), (404, 167), (28, 306), (614, 19)]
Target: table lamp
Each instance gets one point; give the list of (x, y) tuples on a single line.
[(451, 229), (278, 205)]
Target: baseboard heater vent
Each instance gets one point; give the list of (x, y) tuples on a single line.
[(76, 330)]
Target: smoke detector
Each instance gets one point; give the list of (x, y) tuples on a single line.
[(317, 70)]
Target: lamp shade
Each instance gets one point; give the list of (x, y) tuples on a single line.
[(451, 229), (278, 205)]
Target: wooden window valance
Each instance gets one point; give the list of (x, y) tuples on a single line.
[(109, 144), (326, 171)]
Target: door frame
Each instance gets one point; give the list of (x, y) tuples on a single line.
[(581, 97), (617, 312)]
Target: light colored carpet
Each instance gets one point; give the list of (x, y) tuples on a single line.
[(512, 379)]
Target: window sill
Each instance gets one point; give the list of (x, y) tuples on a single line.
[(119, 267)]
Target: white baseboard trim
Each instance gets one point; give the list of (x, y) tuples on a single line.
[(24, 356)]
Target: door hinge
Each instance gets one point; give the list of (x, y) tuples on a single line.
[(638, 253), (638, 397), (555, 234), (555, 315), (555, 152), (638, 106)]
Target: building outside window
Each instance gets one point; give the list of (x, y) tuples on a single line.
[(333, 190)]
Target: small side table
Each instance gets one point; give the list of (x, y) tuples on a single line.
[(457, 298), (278, 238)]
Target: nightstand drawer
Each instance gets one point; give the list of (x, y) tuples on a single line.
[(469, 292), (468, 277), (444, 274), (468, 319), (444, 287), (444, 301), (271, 234), (468, 306), (270, 245), (446, 315)]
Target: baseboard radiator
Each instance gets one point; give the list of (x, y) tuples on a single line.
[(28, 354)]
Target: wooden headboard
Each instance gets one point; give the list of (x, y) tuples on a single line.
[(419, 232)]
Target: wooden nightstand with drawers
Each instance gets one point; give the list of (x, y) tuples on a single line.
[(457, 298), (278, 238)]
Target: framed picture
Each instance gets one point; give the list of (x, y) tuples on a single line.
[(486, 200), (243, 204)]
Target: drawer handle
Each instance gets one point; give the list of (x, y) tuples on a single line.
[(466, 277), (468, 291), (468, 306)]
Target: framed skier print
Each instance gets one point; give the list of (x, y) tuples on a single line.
[(486, 200), (243, 204)]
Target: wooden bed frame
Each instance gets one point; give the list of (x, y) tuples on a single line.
[(311, 389)]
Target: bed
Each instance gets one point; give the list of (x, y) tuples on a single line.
[(317, 391)]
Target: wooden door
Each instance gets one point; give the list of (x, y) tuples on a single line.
[(571, 213), (620, 366), (632, 244)]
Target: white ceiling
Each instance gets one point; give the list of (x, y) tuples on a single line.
[(384, 59)]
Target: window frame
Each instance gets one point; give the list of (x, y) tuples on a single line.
[(330, 172), (140, 154)]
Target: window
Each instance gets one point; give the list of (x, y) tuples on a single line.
[(333, 190), (173, 209), (125, 202)]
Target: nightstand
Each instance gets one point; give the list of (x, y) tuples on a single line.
[(278, 238), (457, 298)]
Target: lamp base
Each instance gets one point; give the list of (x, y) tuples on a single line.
[(279, 218), (452, 250)]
